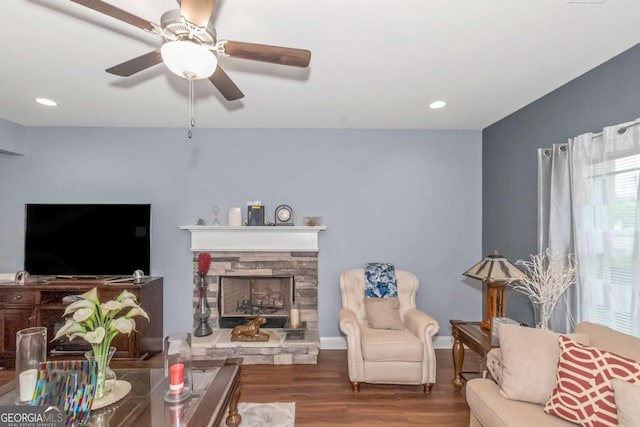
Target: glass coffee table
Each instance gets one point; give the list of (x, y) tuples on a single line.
[(214, 401)]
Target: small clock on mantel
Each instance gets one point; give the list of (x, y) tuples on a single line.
[(284, 215)]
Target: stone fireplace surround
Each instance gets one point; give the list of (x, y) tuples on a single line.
[(260, 251)]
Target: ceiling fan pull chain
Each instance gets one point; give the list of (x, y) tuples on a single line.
[(192, 121)]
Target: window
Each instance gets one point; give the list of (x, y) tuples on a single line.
[(609, 265)]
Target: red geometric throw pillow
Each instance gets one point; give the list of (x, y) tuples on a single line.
[(583, 392)]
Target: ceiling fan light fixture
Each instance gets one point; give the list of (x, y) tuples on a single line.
[(188, 60)]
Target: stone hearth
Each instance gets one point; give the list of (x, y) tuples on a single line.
[(260, 251), (275, 352)]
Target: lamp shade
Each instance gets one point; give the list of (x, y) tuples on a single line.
[(495, 268), (188, 59), (494, 271)]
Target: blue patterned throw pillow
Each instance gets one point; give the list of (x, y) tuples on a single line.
[(380, 280)]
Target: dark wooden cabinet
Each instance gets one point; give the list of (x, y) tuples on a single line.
[(11, 321), (40, 303)]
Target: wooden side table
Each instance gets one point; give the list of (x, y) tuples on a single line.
[(474, 337)]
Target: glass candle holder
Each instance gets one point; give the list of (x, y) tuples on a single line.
[(178, 376), (31, 349)]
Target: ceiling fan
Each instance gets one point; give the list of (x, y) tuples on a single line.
[(191, 46)]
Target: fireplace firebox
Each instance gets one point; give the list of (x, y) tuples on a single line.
[(244, 297)]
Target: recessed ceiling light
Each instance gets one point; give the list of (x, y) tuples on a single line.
[(437, 104), (47, 102)]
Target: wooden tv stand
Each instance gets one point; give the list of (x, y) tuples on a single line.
[(39, 303)]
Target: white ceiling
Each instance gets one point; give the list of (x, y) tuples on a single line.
[(375, 64)]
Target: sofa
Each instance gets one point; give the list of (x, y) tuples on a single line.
[(486, 396)]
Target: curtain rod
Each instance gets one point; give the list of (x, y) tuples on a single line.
[(563, 146), (621, 130)]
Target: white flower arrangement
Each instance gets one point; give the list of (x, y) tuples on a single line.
[(99, 323), (548, 275)]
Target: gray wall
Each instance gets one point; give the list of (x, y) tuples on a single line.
[(408, 197), (606, 95), (11, 138)]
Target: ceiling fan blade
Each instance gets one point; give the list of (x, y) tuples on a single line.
[(137, 64), (197, 12), (114, 12), (225, 85), (266, 53)]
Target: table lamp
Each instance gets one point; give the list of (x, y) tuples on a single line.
[(495, 271)]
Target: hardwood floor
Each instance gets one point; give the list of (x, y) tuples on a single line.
[(323, 394)]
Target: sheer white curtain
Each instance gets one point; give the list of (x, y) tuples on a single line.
[(555, 223), (588, 196), (606, 171)]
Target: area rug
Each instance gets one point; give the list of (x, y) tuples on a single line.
[(275, 414)]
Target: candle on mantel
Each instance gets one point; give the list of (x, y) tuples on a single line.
[(28, 380), (176, 378), (235, 217), (295, 317)]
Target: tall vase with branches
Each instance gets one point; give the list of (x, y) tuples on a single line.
[(549, 275)]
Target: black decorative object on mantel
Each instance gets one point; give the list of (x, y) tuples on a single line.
[(203, 311), (255, 214)]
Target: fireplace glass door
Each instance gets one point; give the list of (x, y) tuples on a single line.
[(245, 297)]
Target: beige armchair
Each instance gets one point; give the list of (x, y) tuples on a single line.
[(387, 356)]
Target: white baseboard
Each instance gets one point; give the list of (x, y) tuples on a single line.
[(340, 343), (333, 343), (443, 342)]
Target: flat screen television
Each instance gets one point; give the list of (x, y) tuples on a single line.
[(87, 239)]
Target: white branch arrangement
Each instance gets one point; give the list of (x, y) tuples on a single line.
[(549, 274)]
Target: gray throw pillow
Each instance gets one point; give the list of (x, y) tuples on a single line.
[(382, 313), (627, 396), (529, 362)]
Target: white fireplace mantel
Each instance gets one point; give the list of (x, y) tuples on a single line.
[(253, 239)]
